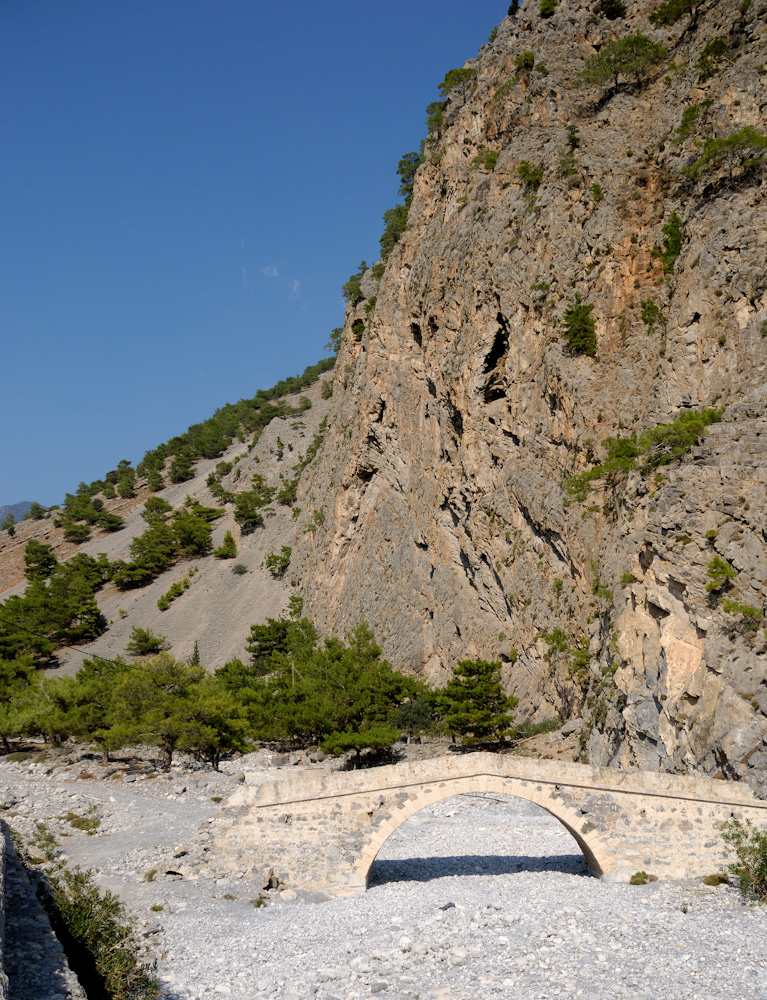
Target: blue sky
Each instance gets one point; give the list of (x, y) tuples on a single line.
[(184, 188)]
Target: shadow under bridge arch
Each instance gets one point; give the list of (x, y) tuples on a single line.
[(546, 796)]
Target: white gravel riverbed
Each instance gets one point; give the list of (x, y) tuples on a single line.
[(471, 899)]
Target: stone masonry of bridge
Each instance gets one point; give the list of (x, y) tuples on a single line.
[(321, 831)]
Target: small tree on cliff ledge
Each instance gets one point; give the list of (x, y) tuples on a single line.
[(475, 706)]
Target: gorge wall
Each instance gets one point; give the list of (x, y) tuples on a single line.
[(458, 413)]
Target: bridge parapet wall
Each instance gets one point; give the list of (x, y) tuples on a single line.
[(322, 830)]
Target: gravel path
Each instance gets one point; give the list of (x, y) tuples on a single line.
[(471, 899)]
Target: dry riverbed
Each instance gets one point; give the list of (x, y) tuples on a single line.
[(473, 898)]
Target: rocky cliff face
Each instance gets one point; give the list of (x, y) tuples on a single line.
[(459, 413)]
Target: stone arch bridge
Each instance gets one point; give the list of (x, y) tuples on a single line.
[(321, 831)]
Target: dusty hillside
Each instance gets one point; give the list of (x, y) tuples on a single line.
[(459, 412), (219, 606)]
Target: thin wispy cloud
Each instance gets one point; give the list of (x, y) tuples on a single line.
[(244, 273), (270, 271), (296, 289)]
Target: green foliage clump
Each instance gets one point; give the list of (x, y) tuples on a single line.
[(720, 575), (435, 116), (673, 10), (493, 34), (395, 223), (486, 159), (597, 192), (671, 244), (58, 606), (627, 579), (101, 930), (688, 125), (530, 174), (352, 290), (639, 878), (239, 569), (227, 549), (455, 78), (749, 846), (576, 651), (144, 642), (9, 524), (524, 62), (579, 331), (632, 56), (548, 8), (611, 9), (36, 512), (751, 615), (652, 315), (656, 446), (340, 695), (743, 150), (474, 704), (712, 55), (278, 562)]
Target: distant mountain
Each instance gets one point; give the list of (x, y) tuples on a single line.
[(17, 509)]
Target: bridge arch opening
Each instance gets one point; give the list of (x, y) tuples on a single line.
[(588, 842)]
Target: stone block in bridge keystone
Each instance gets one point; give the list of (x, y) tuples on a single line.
[(321, 831)]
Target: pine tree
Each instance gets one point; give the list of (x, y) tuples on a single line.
[(474, 703)]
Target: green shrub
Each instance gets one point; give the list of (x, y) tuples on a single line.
[(712, 55), (395, 223), (688, 125), (493, 35), (742, 150), (673, 10), (144, 642), (751, 615), (486, 159), (657, 446), (597, 192), (227, 549), (579, 327), (671, 244), (352, 290), (639, 878), (435, 117), (358, 328), (277, 563), (632, 56), (327, 389), (524, 62), (567, 164), (239, 569), (101, 930), (627, 579), (652, 315), (720, 574), (531, 174), (547, 8), (455, 78), (611, 9), (749, 845)]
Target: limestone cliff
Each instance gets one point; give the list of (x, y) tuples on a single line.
[(458, 413)]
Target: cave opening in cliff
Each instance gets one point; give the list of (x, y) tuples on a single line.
[(494, 363), (477, 836)]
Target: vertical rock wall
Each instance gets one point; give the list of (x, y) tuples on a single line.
[(458, 414)]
